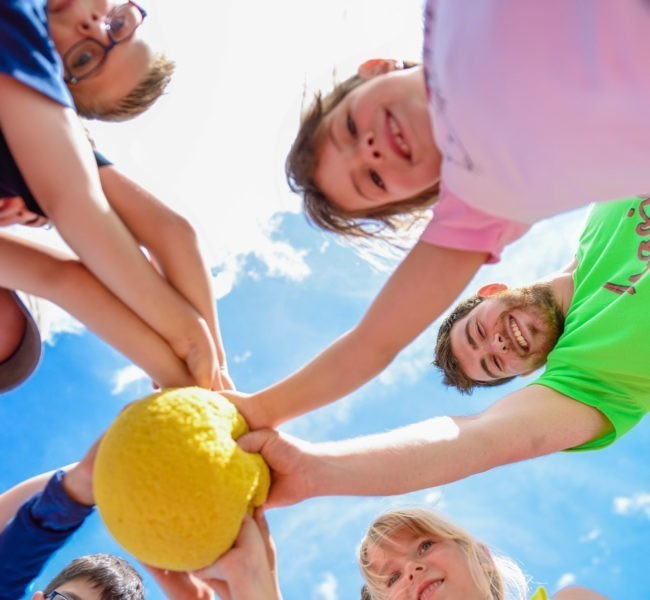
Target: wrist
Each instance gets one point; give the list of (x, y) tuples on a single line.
[(78, 486)]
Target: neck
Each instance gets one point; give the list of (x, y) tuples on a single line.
[(562, 288)]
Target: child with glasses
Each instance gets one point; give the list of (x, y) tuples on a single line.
[(102, 215)]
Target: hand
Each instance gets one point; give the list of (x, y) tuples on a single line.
[(14, 212), (221, 380), (78, 481), (247, 571), (199, 354), (180, 586), (291, 462)]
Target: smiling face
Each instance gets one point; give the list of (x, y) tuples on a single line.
[(377, 147), (422, 567), (126, 64), (510, 333)]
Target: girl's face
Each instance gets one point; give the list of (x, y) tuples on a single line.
[(419, 567), (377, 145), (71, 21)]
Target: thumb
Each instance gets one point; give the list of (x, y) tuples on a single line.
[(254, 441)]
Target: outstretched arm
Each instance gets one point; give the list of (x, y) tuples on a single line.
[(578, 593), (530, 422), (54, 155), (51, 274), (153, 225), (423, 286)]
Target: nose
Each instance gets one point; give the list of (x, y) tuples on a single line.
[(92, 24), (369, 149), (499, 344), (413, 569)]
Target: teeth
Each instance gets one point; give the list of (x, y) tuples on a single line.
[(432, 586), (397, 134), (517, 333)]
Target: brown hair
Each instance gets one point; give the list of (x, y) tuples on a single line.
[(139, 100), (301, 164), (487, 574), (444, 356), (115, 578)]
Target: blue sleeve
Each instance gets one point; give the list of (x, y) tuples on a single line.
[(41, 526)]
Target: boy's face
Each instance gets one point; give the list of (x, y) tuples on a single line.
[(72, 21), (377, 145), (77, 589)]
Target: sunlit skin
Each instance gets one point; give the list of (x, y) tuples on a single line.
[(126, 64), (505, 336), (419, 567), (12, 325), (377, 145), (77, 589)]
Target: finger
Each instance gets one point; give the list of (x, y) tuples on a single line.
[(254, 441)]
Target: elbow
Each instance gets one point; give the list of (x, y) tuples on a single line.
[(178, 228)]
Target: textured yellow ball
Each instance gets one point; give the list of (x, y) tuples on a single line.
[(170, 482)]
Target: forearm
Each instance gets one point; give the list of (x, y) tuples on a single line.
[(66, 183), (53, 275), (153, 224)]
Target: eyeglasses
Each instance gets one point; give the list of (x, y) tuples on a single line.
[(86, 56), (55, 594)]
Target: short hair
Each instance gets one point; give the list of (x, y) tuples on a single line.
[(446, 361), (301, 164), (115, 578), (496, 576), (139, 100)]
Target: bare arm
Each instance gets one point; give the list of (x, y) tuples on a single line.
[(64, 179), (153, 224), (65, 281), (530, 422), (423, 286)]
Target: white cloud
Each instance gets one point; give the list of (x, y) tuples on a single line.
[(630, 505), (327, 589), (564, 580), (241, 358), (412, 363), (127, 377), (593, 535)]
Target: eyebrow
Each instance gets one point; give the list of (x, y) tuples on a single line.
[(472, 342)]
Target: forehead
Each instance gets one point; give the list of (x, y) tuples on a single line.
[(80, 589)]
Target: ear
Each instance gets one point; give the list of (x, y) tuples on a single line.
[(38, 596), (490, 289), (377, 66)]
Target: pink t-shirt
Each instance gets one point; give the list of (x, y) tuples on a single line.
[(538, 107)]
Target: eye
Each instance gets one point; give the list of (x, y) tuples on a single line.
[(117, 24), (352, 128), (378, 181), (424, 546), (81, 59), (480, 330), (392, 579), (497, 364)]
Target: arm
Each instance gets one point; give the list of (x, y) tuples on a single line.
[(65, 180), (53, 275), (43, 523), (423, 286), (153, 224), (530, 422), (247, 571)]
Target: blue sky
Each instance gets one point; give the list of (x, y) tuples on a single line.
[(211, 150)]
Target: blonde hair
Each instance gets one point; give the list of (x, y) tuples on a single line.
[(496, 577), (139, 100)]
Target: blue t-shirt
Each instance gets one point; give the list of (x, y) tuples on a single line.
[(41, 526), (28, 55)]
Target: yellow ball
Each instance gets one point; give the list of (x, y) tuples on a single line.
[(170, 482)]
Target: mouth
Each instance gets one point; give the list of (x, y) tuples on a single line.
[(429, 589), (517, 336), (396, 138), (57, 6)]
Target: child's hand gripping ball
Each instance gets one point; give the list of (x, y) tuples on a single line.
[(171, 483)]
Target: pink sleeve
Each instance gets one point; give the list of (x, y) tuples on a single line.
[(458, 225)]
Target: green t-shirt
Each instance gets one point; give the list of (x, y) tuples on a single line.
[(603, 356), (540, 594)]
